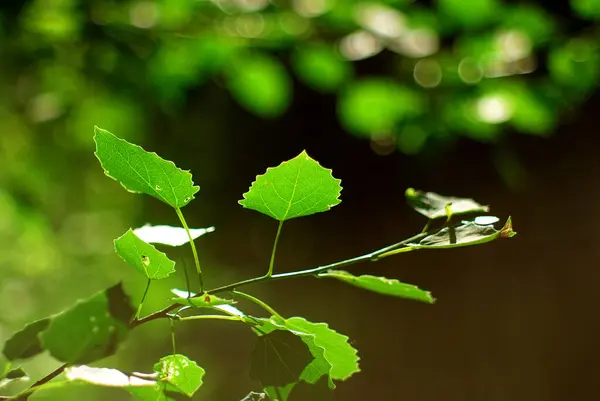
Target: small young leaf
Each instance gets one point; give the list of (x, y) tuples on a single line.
[(433, 205), (91, 329), (298, 187), (467, 234), (203, 301), (144, 257), (382, 285), (25, 343), (143, 172), (338, 352), (168, 235), (107, 377), (17, 373), (182, 373), (279, 358)]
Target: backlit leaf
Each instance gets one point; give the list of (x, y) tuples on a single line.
[(295, 188), (382, 285), (433, 205), (91, 329), (143, 172), (144, 386), (180, 372), (144, 257), (168, 235), (26, 343), (338, 352)]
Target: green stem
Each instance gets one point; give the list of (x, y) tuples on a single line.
[(372, 257), (196, 260), (258, 302), (139, 309), (173, 336), (272, 262), (216, 317)]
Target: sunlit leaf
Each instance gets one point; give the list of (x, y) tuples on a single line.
[(91, 329), (144, 257), (106, 377), (143, 172), (25, 343), (260, 84), (298, 187), (321, 67), (375, 106), (180, 372), (434, 205), (337, 351), (466, 234), (169, 235), (382, 285)]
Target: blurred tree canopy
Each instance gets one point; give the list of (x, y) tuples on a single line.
[(476, 66)]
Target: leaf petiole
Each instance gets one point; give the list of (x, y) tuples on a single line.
[(272, 262), (139, 309), (257, 301), (196, 260)]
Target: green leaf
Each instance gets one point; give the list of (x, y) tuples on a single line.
[(11, 375), (180, 372), (25, 343), (143, 172), (470, 233), (298, 187), (382, 285), (90, 330), (144, 386), (215, 302), (338, 352), (260, 84), (433, 205), (144, 257), (319, 366), (279, 358), (205, 300), (17, 373), (281, 393), (108, 377), (168, 235)]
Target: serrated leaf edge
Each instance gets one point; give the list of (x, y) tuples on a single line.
[(191, 197), (305, 153)]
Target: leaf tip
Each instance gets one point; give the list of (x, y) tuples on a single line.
[(507, 230)]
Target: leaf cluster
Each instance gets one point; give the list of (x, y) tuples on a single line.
[(294, 358)]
